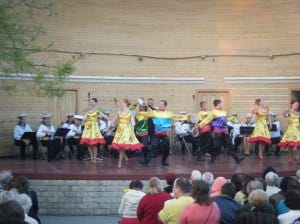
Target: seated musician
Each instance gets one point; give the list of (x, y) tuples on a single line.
[(183, 130), (74, 135), (109, 134), (19, 130), (69, 121), (234, 129), (45, 134), (275, 132)]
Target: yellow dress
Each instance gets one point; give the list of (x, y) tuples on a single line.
[(124, 137), (261, 133), (91, 134), (291, 137)]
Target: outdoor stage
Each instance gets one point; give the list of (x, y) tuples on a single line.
[(107, 169)]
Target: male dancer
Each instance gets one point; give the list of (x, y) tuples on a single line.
[(162, 120), (205, 133), (218, 120)]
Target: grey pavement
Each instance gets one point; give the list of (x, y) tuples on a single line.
[(79, 219)]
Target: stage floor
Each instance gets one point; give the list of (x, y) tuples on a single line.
[(107, 170)]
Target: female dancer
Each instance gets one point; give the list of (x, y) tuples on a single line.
[(261, 133), (91, 134), (124, 137), (291, 137)]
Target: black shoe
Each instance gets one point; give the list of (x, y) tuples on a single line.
[(238, 159), (165, 164)]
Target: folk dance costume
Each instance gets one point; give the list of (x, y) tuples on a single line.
[(125, 138), (91, 133), (218, 120), (162, 121), (206, 139), (291, 137), (261, 133), (142, 128)]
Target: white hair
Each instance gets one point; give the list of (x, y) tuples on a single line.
[(5, 176), (5, 196), (195, 175), (271, 178), (25, 201), (208, 177), (154, 185)]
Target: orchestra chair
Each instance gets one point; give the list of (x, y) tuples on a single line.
[(42, 150)]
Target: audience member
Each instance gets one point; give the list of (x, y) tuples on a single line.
[(292, 201), (216, 189), (129, 203), (25, 201), (276, 198), (271, 180), (22, 185), (227, 205), (256, 185), (152, 202), (5, 196), (236, 179), (11, 212), (195, 175), (298, 175), (242, 195), (267, 170), (258, 200), (208, 177), (170, 178), (173, 208), (203, 210), (5, 177)]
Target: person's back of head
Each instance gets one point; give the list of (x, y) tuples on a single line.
[(236, 179), (271, 179), (10, 211), (267, 170), (208, 177), (284, 183), (154, 185), (22, 184), (229, 190), (5, 196), (183, 184), (253, 185), (195, 175), (136, 185), (200, 192), (170, 178), (258, 198), (292, 199), (25, 201), (298, 175)]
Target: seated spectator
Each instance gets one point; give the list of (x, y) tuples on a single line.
[(195, 175), (256, 185), (292, 201), (173, 208), (130, 201), (227, 205), (5, 196), (208, 177), (22, 185), (276, 198), (203, 210), (216, 189), (11, 212), (242, 195), (271, 180), (267, 170), (5, 177), (258, 200), (25, 201), (236, 179), (170, 178), (293, 184), (152, 202)]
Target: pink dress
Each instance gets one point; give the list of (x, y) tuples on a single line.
[(200, 214)]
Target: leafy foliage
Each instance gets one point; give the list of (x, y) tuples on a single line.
[(19, 30)]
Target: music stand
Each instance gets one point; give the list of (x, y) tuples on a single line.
[(246, 130), (61, 133), (29, 135)]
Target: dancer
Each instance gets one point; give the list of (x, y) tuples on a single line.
[(218, 120), (124, 137), (91, 134), (291, 137), (205, 132), (261, 133)]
